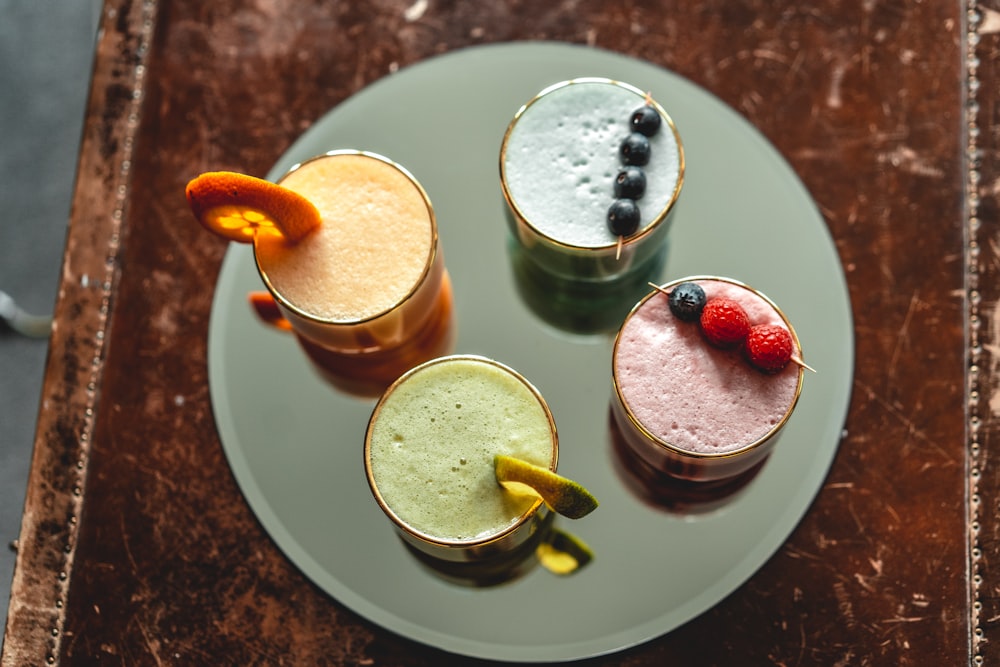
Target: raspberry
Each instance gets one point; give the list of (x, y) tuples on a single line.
[(769, 347), (724, 322)]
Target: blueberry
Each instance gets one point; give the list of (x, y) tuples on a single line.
[(635, 149), (646, 120), (630, 183), (687, 301), (623, 217)]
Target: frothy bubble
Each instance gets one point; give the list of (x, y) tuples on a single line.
[(562, 155)]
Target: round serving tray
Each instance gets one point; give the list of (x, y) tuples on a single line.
[(294, 442)]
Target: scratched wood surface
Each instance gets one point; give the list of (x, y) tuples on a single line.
[(982, 52), (137, 547)]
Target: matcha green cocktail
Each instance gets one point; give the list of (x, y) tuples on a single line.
[(430, 449)]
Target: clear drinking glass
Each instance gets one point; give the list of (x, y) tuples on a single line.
[(429, 451), (692, 410), (559, 160), (367, 293)]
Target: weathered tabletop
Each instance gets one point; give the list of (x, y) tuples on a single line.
[(137, 546)]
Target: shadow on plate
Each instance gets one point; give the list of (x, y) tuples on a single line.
[(672, 494), (368, 375), (580, 307), (553, 549)]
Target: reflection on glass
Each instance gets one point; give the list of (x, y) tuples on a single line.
[(550, 548), (501, 568), (580, 307), (367, 375), (672, 494)]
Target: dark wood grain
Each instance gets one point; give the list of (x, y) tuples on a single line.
[(138, 547)]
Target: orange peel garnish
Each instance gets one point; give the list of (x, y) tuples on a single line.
[(237, 206)]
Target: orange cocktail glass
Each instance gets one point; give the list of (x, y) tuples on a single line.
[(361, 281), (370, 276)]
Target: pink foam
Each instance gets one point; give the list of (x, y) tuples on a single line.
[(690, 394)]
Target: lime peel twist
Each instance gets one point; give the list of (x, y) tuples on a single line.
[(564, 496)]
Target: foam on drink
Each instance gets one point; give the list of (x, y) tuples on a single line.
[(370, 252), (692, 395), (432, 439), (560, 159)]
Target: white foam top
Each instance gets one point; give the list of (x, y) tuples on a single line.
[(432, 443), (561, 159), (690, 394), (370, 252)]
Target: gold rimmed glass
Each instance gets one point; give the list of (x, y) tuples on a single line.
[(373, 276), (669, 359), (558, 162), (428, 457)]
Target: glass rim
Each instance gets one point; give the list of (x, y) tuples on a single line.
[(649, 229), (428, 264), (427, 538), (686, 453)]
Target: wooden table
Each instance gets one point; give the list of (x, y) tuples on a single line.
[(137, 546)]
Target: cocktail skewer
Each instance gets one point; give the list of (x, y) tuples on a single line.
[(795, 359)]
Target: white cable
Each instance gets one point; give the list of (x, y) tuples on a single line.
[(26, 324)]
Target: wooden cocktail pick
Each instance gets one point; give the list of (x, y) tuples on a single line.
[(795, 359)]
